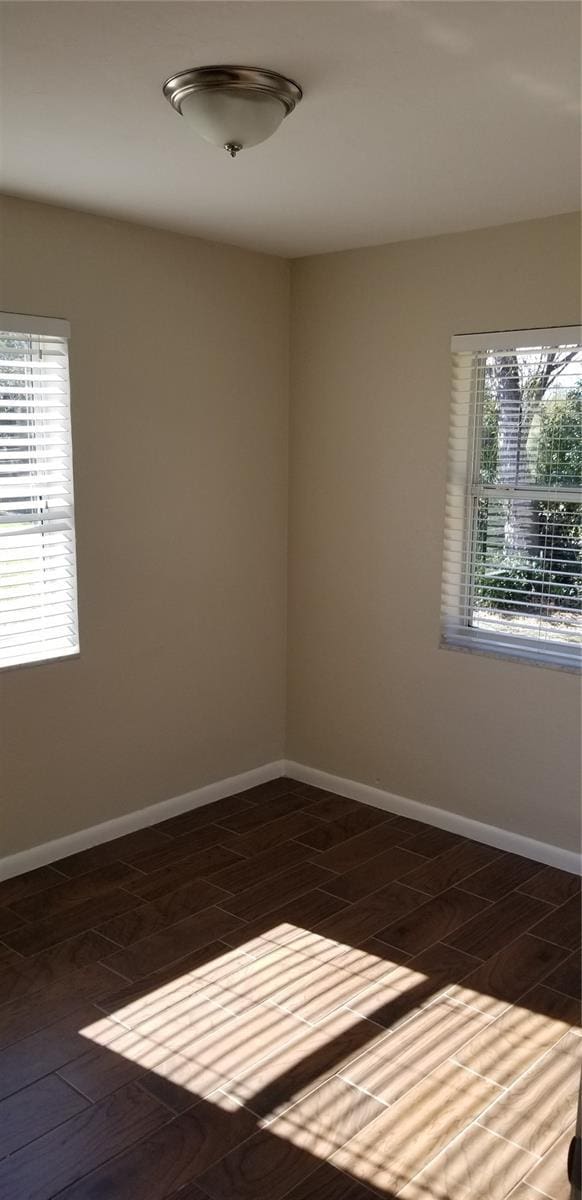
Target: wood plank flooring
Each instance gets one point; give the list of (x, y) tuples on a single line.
[(287, 994)]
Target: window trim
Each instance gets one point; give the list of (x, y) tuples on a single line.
[(462, 490), (43, 326), (58, 328)]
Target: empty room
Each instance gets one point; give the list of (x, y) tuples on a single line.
[(290, 599)]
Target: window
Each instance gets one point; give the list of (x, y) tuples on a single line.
[(38, 591), (512, 569)]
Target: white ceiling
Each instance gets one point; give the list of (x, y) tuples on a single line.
[(418, 118)]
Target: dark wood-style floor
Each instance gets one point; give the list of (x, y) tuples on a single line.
[(288, 994)]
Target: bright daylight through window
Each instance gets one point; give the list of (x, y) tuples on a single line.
[(512, 568), (38, 592)]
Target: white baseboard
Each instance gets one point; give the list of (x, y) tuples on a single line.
[(39, 856), (502, 839)]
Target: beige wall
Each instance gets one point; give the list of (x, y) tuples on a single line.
[(371, 696), (179, 364), (179, 372)]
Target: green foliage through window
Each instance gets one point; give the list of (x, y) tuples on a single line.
[(546, 576)]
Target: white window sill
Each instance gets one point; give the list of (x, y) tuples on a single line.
[(46, 660), (473, 642)]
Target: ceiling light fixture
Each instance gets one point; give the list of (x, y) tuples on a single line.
[(232, 107)]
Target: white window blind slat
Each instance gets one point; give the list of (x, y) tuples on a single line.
[(512, 558), (33, 603), (38, 590)]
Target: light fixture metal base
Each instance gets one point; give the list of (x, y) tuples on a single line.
[(232, 148), (247, 79)]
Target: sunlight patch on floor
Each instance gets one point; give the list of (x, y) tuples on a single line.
[(216, 1023), (285, 1026)]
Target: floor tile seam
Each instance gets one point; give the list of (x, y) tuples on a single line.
[(273, 1001), (123, 863), (515, 1003), (185, 981), (50, 1021), (430, 1159), (195, 991), (544, 867), (502, 1087), (347, 1083), (75, 1087), (137, 1081), (5, 1159), (28, 995), (519, 1080), (396, 846), (252, 919), (471, 1124), (530, 1066), (115, 945), (141, 980), (498, 856), (310, 1090), (38, 1078), (535, 1190), (183, 857), (278, 871), (568, 950), (118, 1155), (165, 930), (56, 883), (402, 1058), (440, 940), (290, 1013), (21, 918), (256, 1062), (5, 946), (172, 890), (426, 950), (529, 930), (405, 1056), (511, 892), (503, 1138), (68, 908), (401, 879), (369, 896), (322, 993), (320, 963)]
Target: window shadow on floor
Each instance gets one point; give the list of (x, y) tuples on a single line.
[(218, 1092)]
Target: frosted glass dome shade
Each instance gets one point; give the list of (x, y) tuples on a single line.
[(233, 117)]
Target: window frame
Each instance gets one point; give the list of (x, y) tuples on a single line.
[(41, 327), (464, 489)]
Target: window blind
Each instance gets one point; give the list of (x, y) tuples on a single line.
[(512, 569), (38, 595)]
